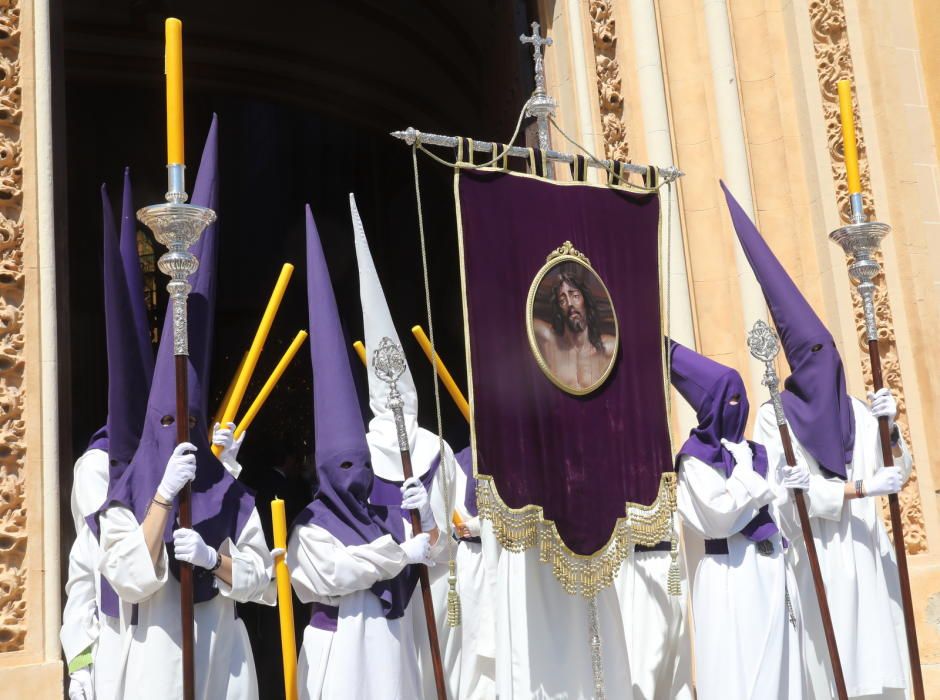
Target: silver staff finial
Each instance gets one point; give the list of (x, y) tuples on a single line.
[(541, 105), (389, 364), (764, 345)]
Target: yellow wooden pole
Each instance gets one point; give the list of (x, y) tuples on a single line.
[(217, 418), (446, 379), (268, 387), (285, 605), (361, 351), (254, 352)]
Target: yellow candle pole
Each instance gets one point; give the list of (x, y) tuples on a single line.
[(285, 606), (217, 418), (257, 344), (361, 351), (850, 148), (446, 379), (173, 67), (268, 387)]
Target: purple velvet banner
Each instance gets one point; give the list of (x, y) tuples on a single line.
[(580, 457)]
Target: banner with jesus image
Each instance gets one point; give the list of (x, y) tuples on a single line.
[(566, 367)]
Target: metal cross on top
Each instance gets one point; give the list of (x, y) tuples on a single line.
[(541, 106)]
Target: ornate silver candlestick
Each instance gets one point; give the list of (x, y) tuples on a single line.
[(178, 225), (861, 241)]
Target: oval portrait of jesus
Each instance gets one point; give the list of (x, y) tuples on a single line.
[(571, 322)]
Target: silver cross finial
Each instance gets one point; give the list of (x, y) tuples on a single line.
[(537, 43), (540, 105)]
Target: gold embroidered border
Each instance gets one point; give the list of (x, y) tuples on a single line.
[(519, 529)]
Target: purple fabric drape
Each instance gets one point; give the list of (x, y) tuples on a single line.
[(581, 458)]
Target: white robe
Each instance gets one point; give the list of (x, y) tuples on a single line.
[(658, 647), (150, 664), (369, 656), (83, 625), (745, 645), (858, 567), (469, 650), (543, 635)]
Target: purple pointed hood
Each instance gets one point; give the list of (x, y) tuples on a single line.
[(341, 505), (719, 398), (127, 334), (220, 504), (815, 400)]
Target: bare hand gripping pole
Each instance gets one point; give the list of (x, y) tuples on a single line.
[(178, 225), (388, 361), (764, 346)]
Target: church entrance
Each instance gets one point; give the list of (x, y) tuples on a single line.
[(306, 94)]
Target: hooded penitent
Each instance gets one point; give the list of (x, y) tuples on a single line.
[(377, 324), (341, 505), (718, 396), (220, 505), (815, 401)]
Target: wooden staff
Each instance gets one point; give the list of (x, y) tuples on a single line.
[(861, 240), (764, 346), (388, 362)]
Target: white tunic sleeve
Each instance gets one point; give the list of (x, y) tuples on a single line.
[(251, 564), (715, 506), (323, 569), (80, 616), (825, 496), (125, 561)]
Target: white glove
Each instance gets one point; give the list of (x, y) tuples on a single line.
[(415, 497), (189, 547), (418, 549), (275, 553), (180, 470), (796, 477), (225, 438), (883, 405), (884, 481), (741, 452), (80, 685)]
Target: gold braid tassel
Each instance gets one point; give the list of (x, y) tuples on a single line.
[(674, 584), (453, 599)]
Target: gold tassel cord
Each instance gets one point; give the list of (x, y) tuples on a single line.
[(453, 600)]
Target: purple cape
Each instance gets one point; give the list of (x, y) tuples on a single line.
[(341, 505), (816, 403), (719, 398)]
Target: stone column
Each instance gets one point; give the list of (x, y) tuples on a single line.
[(30, 663)]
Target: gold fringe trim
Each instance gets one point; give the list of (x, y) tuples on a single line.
[(519, 529)]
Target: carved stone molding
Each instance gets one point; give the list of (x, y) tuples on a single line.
[(12, 380), (609, 91), (833, 62)]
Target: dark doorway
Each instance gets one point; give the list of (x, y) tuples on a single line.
[(306, 94)]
